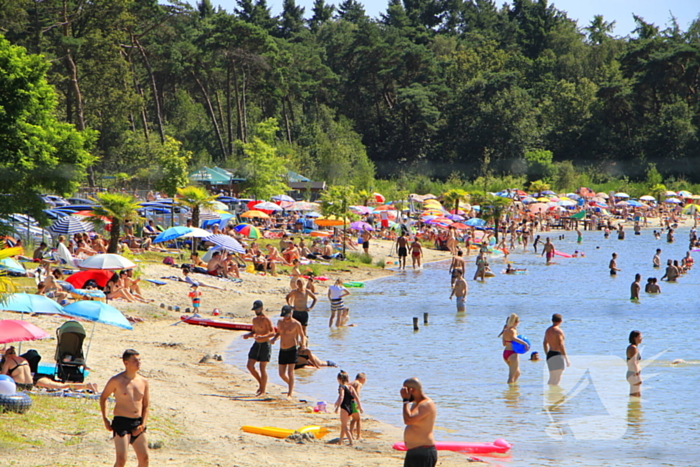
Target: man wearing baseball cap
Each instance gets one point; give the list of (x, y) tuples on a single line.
[(261, 350), (291, 337)]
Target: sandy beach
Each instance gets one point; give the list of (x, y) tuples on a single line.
[(199, 404)]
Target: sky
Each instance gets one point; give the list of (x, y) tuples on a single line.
[(653, 11)]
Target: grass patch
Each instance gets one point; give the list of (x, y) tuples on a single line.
[(360, 258), (380, 263)]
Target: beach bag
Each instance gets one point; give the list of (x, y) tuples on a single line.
[(169, 260)]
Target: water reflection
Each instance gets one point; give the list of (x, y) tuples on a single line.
[(635, 416)]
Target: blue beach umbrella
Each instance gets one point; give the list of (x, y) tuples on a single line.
[(30, 303), (172, 233), (475, 222), (12, 266)]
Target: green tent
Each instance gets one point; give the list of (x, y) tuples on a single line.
[(579, 215), (209, 175)]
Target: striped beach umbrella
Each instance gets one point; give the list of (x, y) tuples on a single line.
[(247, 230), (70, 225), (226, 242)]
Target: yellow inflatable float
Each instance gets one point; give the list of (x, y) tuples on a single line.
[(282, 433)]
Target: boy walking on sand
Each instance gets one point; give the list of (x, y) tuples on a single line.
[(196, 297), (355, 420)]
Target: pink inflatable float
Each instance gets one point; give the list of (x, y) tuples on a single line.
[(499, 446)]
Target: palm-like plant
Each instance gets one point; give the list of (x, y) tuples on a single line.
[(454, 197), (118, 208), (492, 208), (196, 199), (538, 186)]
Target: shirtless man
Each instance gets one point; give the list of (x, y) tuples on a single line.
[(635, 287), (419, 413), (671, 272), (416, 253), (298, 299), (366, 236), (215, 266), (291, 336), (402, 250), (261, 350), (548, 250), (355, 420), (458, 264), (656, 261), (130, 410), (613, 265), (460, 290), (555, 350)]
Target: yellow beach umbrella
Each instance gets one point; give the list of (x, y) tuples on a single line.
[(330, 221), (254, 213)]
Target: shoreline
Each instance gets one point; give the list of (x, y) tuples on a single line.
[(197, 408)]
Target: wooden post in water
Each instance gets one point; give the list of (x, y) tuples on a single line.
[(425, 318), (415, 323)]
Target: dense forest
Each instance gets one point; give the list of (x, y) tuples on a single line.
[(436, 88)]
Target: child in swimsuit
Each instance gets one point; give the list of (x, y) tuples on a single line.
[(346, 397)]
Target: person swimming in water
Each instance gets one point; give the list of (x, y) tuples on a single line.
[(508, 335)]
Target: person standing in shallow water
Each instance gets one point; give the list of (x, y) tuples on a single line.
[(419, 414), (555, 350), (613, 265), (635, 287), (634, 367), (508, 335)]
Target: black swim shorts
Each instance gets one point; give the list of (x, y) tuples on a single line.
[(555, 361), (260, 351), (121, 426), (301, 316), (423, 456), (403, 252), (288, 356)]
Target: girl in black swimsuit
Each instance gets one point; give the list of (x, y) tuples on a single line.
[(346, 397)]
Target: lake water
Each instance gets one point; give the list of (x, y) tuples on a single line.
[(459, 358)]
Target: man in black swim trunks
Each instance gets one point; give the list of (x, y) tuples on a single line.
[(553, 345), (131, 408), (402, 249), (291, 336), (298, 299), (261, 350)]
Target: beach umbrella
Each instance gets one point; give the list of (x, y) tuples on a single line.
[(573, 196), (378, 197), (635, 204), (602, 195), (359, 225), (622, 204), (15, 330), (441, 220), (361, 209), (330, 221), (226, 242), (384, 207), (460, 226), (542, 200), (12, 266), (321, 233), (267, 206), (566, 203), (196, 232), (70, 225), (528, 199), (107, 261), (283, 198), (669, 193), (624, 195), (454, 217), (247, 230), (303, 206), (30, 303), (97, 312), (475, 222), (537, 207), (673, 201), (647, 198), (172, 233), (255, 213), (312, 214), (79, 279), (685, 194)]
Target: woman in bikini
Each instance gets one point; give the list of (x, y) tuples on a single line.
[(634, 368), (17, 368), (508, 335)]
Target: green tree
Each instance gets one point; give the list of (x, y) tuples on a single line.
[(117, 208), (196, 199), (322, 13), (173, 170), (38, 154), (336, 201), (264, 168), (454, 197), (493, 208), (538, 186), (539, 164)]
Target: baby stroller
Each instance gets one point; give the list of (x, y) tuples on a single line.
[(70, 361)]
